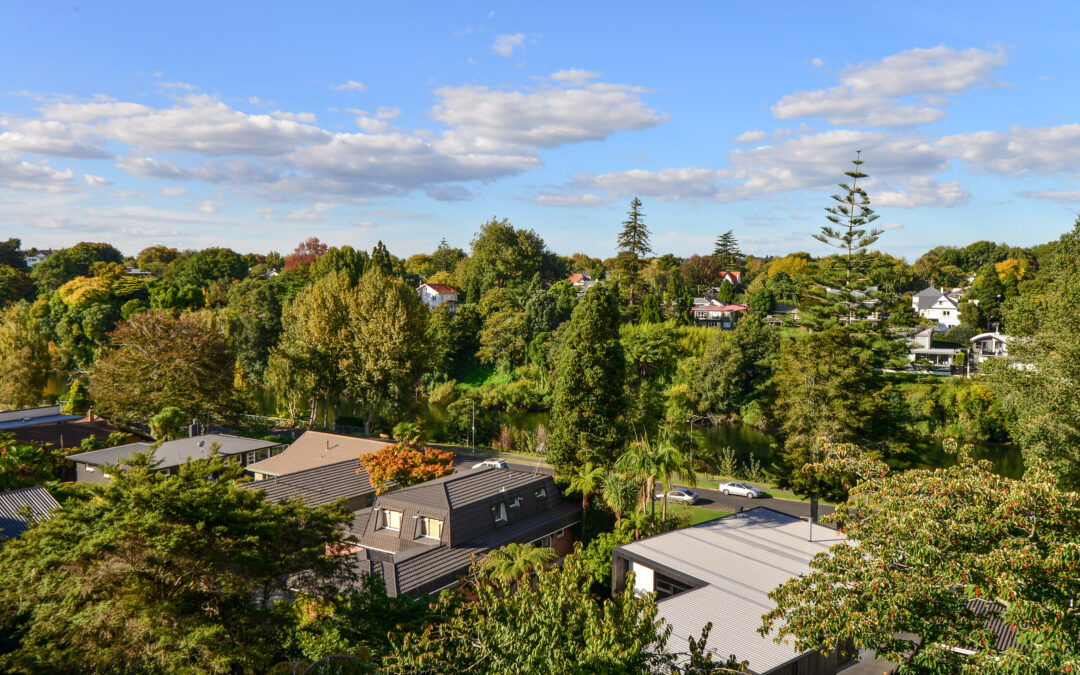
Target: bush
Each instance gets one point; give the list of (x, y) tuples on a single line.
[(445, 393)]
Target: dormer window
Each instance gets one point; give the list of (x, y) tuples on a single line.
[(541, 493), (389, 520), (499, 511), (430, 528), (516, 504)]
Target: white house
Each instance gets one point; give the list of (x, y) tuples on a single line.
[(434, 295), (938, 306), (717, 314), (38, 257), (986, 346)]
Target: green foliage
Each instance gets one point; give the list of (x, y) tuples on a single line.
[(254, 324), (66, 264), (23, 465), (91, 443), (345, 260), (727, 251), (633, 242), (761, 302), (209, 266), (515, 562), (922, 545), (78, 399), (25, 362), (169, 296), (506, 257), (960, 334), (168, 424), (589, 398), (158, 361), (596, 557), (650, 310), (15, 284), (726, 293), (736, 367), (553, 625), (989, 293), (952, 407), (164, 574)]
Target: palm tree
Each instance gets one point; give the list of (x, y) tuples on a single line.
[(638, 461), (620, 493), (587, 480), (516, 561), (669, 460)]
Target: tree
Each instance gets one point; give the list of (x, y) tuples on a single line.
[(162, 574), (504, 338), (589, 397), (824, 390), (515, 562), (446, 257), (168, 424), (988, 292), (669, 460), (254, 325), (587, 479), (727, 251), (345, 259), (506, 257), (761, 302), (932, 553), (66, 264), (156, 360), (383, 354), (403, 465), (1042, 399), (726, 292), (11, 254), (23, 465), (700, 271), (639, 461), (620, 493), (551, 626), (78, 399), (306, 253), (25, 363), (650, 310), (209, 266), (633, 244), (735, 368), (15, 285)]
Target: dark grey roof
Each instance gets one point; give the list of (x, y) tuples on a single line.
[(318, 485), (461, 489), (12, 503), (28, 417), (1005, 633), (175, 453)]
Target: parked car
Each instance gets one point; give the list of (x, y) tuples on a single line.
[(740, 489), (683, 496), (491, 463)]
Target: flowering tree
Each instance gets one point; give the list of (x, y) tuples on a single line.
[(405, 465), (930, 553)]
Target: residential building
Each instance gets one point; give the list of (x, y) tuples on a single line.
[(733, 277), (582, 281), (312, 449), (718, 314), (943, 308), (67, 433), (435, 295), (987, 346), (780, 312), (90, 466), (722, 571), (32, 417), (38, 256), (423, 538), (344, 479), (15, 503)]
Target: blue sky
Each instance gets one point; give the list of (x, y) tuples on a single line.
[(257, 125)]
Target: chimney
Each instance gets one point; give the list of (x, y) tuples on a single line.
[(90, 416)]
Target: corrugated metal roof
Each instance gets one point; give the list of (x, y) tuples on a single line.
[(318, 485), (175, 453), (32, 413), (13, 502), (316, 448), (739, 559)]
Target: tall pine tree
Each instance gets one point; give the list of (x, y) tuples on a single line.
[(633, 247), (727, 253)]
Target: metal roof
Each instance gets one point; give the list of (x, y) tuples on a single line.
[(316, 448), (318, 485), (175, 453), (14, 502), (27, 417), (460, 489), (738, 559)]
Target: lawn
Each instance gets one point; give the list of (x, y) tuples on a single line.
[(700, 514)]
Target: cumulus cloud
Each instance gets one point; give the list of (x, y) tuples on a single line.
[(1059, 196), (817, 63), (922, 191), (96, 181), (305, 117), (206, 207), (891, 226), (1019, 150), (750, 137), (50, 138), (18, 174), (351, 85), (506, 44), (871, 93), (173, 191)]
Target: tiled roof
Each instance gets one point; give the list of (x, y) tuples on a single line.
[(316, 448), (738, 560), (13, 502), (175, 453), (459, 489), (318, 485), (443, 289)]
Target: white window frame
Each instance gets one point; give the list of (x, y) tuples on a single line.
[(500, 513), (425, 527), (386, 520)]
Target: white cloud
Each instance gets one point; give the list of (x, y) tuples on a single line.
[(1059, 196), (351, 85), (1019, 150), (388, 113), (507, 43), (750, 137), (817, 63), (922, 191), (891, 226), (870, 93), (17, 174), (50, 138), (173, 191), (206, 207), (96, 181), (91, 112), (574, 76), (306, 117)]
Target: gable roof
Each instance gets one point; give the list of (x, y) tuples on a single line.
[(442, 289), (577, 277), (734, 275), (318, 485), (461, 489), (316, 448), (737, 560), (175, 453), (12, 521)]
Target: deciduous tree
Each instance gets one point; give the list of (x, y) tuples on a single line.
[(403, 465), (25, 363)]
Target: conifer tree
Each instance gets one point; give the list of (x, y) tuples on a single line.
[(633, 247), (727, 251)]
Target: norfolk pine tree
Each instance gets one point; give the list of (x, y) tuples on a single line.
[(727, 252), (633, 247)]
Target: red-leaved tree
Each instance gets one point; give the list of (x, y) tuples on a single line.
[(406, 465), (306, 252)]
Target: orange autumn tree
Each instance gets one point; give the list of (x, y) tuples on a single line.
[(406, 464)]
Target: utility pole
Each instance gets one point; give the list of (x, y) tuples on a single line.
[(472, 434)]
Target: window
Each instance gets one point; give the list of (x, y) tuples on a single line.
[(389, 520), (499, 511), (516, 503), (543, 542), (430, 528), (541, 493)]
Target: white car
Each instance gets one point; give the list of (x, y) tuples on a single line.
[(740, 489), (491, 463)]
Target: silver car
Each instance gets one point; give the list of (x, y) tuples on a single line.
[(491, 463), (740, 490), (681, 495)]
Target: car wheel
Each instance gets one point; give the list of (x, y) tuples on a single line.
[(726, 492), (749, 495)]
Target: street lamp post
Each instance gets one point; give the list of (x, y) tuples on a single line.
[(472, 434)]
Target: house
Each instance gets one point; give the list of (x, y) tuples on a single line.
[(423, 538), (582, 281), (780, 312), (987, 346), (32, 417), (345, 479), (68, 433), (89, 466), (733, 277), (38, 256), (938, 306), (922, 349), (722, 571), (314, 449), (14, 505), (718, 314), (434, 295)]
